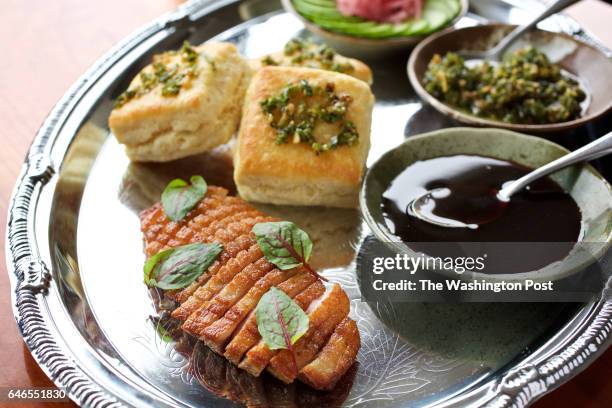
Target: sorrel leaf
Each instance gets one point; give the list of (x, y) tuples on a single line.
[(178, 267), (179, 197)]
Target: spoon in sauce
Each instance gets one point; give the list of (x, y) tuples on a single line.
[(423, 207), (496, 53)]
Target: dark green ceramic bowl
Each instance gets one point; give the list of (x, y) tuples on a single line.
[(587, 187)]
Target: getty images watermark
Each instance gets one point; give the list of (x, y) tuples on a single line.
[(474, 272)]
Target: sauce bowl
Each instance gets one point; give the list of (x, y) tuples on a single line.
[(585, 185)]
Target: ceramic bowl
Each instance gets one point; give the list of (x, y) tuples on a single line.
[(366, 47), (587, 187), (590, 65)]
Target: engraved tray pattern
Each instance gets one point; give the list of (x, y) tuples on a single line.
[(83, 311)]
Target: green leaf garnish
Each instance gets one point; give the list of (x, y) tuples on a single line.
[(284, 245), (154, 261), (164, 328), (164, 334), (179, 197), (280, 321), (178, 267)]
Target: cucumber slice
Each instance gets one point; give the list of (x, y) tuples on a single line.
[(416, 27), (436, 14), (322, 3), (318, 11), (316, 15), (361, 29), (441, 12), (455, 6), (316, 4)]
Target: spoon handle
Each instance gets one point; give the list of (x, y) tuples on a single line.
[(592, 151), (498, 51)]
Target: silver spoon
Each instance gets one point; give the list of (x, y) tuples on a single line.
[(422, 207), (496, 53)]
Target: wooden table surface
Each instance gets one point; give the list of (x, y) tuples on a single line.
[(46, 45)]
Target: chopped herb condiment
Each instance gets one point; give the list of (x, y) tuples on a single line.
[(296, 111), (524, 88), (268, 60), (171, 78), (188, 54)]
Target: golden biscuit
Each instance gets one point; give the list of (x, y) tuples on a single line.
[(295, 172), (186, 102), (307, 54)]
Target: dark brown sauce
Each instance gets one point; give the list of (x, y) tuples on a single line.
[(541, 213)]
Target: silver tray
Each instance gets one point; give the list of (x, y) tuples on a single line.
[(74, 252)]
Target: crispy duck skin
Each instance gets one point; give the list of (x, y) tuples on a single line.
[(218, 308), (337, 355), (238, 233), (247, 335), (229, 294), (231, 249), (188, 234), (219, 330), (158, 229), (210, 221), (260, 356), (323, 320), (218, 281)]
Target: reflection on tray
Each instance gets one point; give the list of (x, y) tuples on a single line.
[(62, 231), (334, 231), (143, 183)]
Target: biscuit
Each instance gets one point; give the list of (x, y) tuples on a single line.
[(195, 110), (293, 173), (307, 54)]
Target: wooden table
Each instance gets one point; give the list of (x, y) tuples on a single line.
[(45, 45)]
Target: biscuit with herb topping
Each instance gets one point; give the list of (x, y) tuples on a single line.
[(308, 54), (304, 137), (186, 102)]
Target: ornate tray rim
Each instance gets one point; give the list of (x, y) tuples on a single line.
[(566, 354)]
